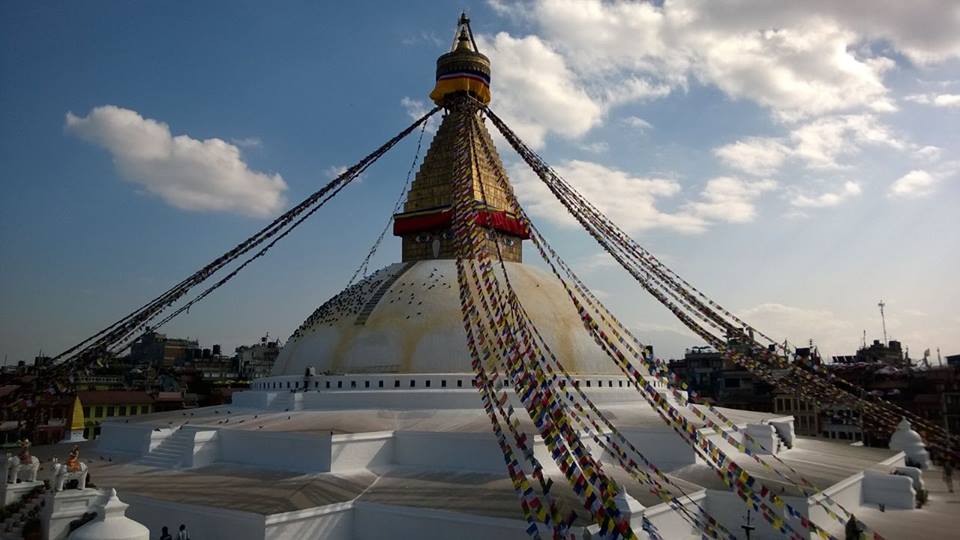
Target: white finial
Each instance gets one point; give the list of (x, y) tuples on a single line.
[(908, 441), (112, 523)]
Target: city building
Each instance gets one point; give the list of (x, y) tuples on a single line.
[(157, 350), (890, 354), (99, 406), (716, 379), (256, 361)]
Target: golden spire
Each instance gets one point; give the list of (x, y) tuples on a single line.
[(424, 224), (464, 68), (77, 421)]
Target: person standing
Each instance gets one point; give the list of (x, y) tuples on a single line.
[(182, 533), (852, 531), (165, 534), (948, 475)]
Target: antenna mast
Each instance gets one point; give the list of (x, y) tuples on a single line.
[(883, 321)]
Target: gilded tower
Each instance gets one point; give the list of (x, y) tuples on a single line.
[(424, 224)]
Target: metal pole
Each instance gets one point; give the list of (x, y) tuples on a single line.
[(883, 321), (747, 529)]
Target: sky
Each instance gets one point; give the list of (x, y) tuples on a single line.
[(798, 162)]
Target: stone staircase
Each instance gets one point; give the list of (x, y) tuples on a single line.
[(780, 436), (287, 401), (172, 452), (12, 527)]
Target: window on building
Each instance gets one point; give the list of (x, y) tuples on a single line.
[(427, 384), (366, 384), (412, 383), (339, 384), (328, 384), (133, 410), (459, 383), (353, 384), (380, 384), (610, 384), (620, 384), (144, 409), (98, 412), (396, 383), (110, 410), (122, 410), (443, 383), (588, 384), (86, 412)]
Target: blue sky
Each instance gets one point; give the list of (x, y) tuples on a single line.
[(796, 164)]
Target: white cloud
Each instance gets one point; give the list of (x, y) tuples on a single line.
[(759, 156), (334, 171), (416, 108), (947, 100), (248, 142), (599, 147), (729, 199), (423, 36), (630, 201), (818, 144), (929, 153), (822, 142), (597, 261), (798, 60), (535, 91), (831, 333), (637, 123), (825, 199), (937, 100), (915, 184), (837, 334), (187, 173), (801, 60)]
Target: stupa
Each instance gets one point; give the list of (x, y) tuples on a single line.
[(370, 426), (405, 318)]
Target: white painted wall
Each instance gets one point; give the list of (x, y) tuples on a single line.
[(671, 524), (731, 511), (130, 439), (664, 448), (362, 451), (761, 439), (62, 507), (460, 451), (848, 493), (301, 452), (891, 490), (376, 522), (332, 522), (203, 522), (206, 448)]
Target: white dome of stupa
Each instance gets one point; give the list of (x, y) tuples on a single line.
[(405, 318)]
